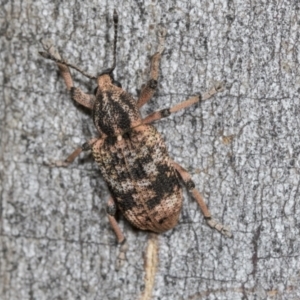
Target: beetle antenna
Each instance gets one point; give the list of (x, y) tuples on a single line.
[(116, 20)]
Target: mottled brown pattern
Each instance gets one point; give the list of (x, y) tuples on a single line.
[(82, 98), (141, 179), (132, 156), (115, 111)]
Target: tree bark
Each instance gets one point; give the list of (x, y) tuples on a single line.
[(241, 147)]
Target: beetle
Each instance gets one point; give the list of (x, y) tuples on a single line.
[(144, 182)]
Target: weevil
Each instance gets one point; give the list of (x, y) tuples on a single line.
[(143, 181)]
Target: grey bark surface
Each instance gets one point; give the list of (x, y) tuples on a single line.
[(241, 147)]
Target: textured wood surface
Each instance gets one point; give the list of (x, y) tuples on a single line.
[(242, 148)]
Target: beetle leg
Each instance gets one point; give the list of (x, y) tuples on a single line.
[(66, 75), (64, 70), (85, 147), (150, 88), (186, 177), (87, 100), (77, 95), (167, 111), (111, 211)]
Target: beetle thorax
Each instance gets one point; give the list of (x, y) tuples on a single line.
[(115, 110)]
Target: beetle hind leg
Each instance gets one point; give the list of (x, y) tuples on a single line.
[(111, 211), (186, 177)]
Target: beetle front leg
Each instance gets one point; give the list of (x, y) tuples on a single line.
[(64, 70), (86, 100), (186, 177), (77, 94), (150, 88)]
